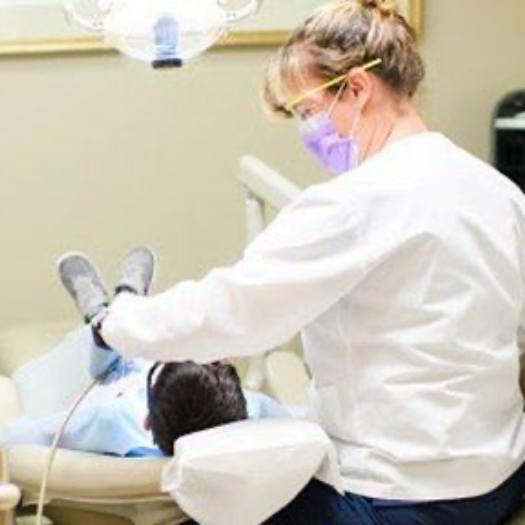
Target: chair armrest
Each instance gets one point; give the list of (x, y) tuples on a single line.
[(10, 408), (10, 496)]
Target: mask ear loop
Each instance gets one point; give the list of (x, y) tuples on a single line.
[(356, 121), (357, 117), (337, 97)]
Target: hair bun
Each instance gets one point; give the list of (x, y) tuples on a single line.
[(385, 7)]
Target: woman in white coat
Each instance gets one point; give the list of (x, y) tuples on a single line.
[(405, 275)]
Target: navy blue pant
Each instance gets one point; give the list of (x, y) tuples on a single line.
[(319, 504)]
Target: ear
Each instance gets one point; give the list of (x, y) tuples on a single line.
[(360, 85), (147, 423)]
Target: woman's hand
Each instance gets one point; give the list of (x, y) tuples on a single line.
[(106, 365)]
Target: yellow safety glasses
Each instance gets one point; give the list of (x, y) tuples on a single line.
[(294, 102)]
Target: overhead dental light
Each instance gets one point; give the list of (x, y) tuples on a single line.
[(164, 33)]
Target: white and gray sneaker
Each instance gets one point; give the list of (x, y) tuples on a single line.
[(137, 272), (83, 283)]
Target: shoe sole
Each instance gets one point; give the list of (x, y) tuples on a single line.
[(155, 262), (70, 254)]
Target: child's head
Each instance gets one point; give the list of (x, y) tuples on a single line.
[(187, 397)]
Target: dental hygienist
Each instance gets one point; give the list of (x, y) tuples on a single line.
[(405, 274)]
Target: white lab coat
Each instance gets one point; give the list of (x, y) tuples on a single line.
[(406, 278)]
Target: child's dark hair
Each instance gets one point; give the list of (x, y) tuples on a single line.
[(187, 397)]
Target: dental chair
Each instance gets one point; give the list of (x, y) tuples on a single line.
[(83, 488)]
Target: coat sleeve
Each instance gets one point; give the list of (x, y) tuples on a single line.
[(309, 257)]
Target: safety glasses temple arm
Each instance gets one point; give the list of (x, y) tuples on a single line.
[(293, 103)]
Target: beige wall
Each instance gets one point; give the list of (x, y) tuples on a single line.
[(475, 54), (100, 154)]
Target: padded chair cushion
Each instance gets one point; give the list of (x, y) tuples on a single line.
[(250, 469), (287, 378), (51, 382), (10, 408), (78, 476)]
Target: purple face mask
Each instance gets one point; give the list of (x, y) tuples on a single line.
[(337, 154)]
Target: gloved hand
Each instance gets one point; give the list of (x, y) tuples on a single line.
[(106, 364)]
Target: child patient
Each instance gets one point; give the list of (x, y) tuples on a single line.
[(141, 408)]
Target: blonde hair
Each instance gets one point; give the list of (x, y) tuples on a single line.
[(339, 36)]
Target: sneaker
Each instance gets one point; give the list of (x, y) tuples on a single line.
[(137, 272), (83, 283)]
